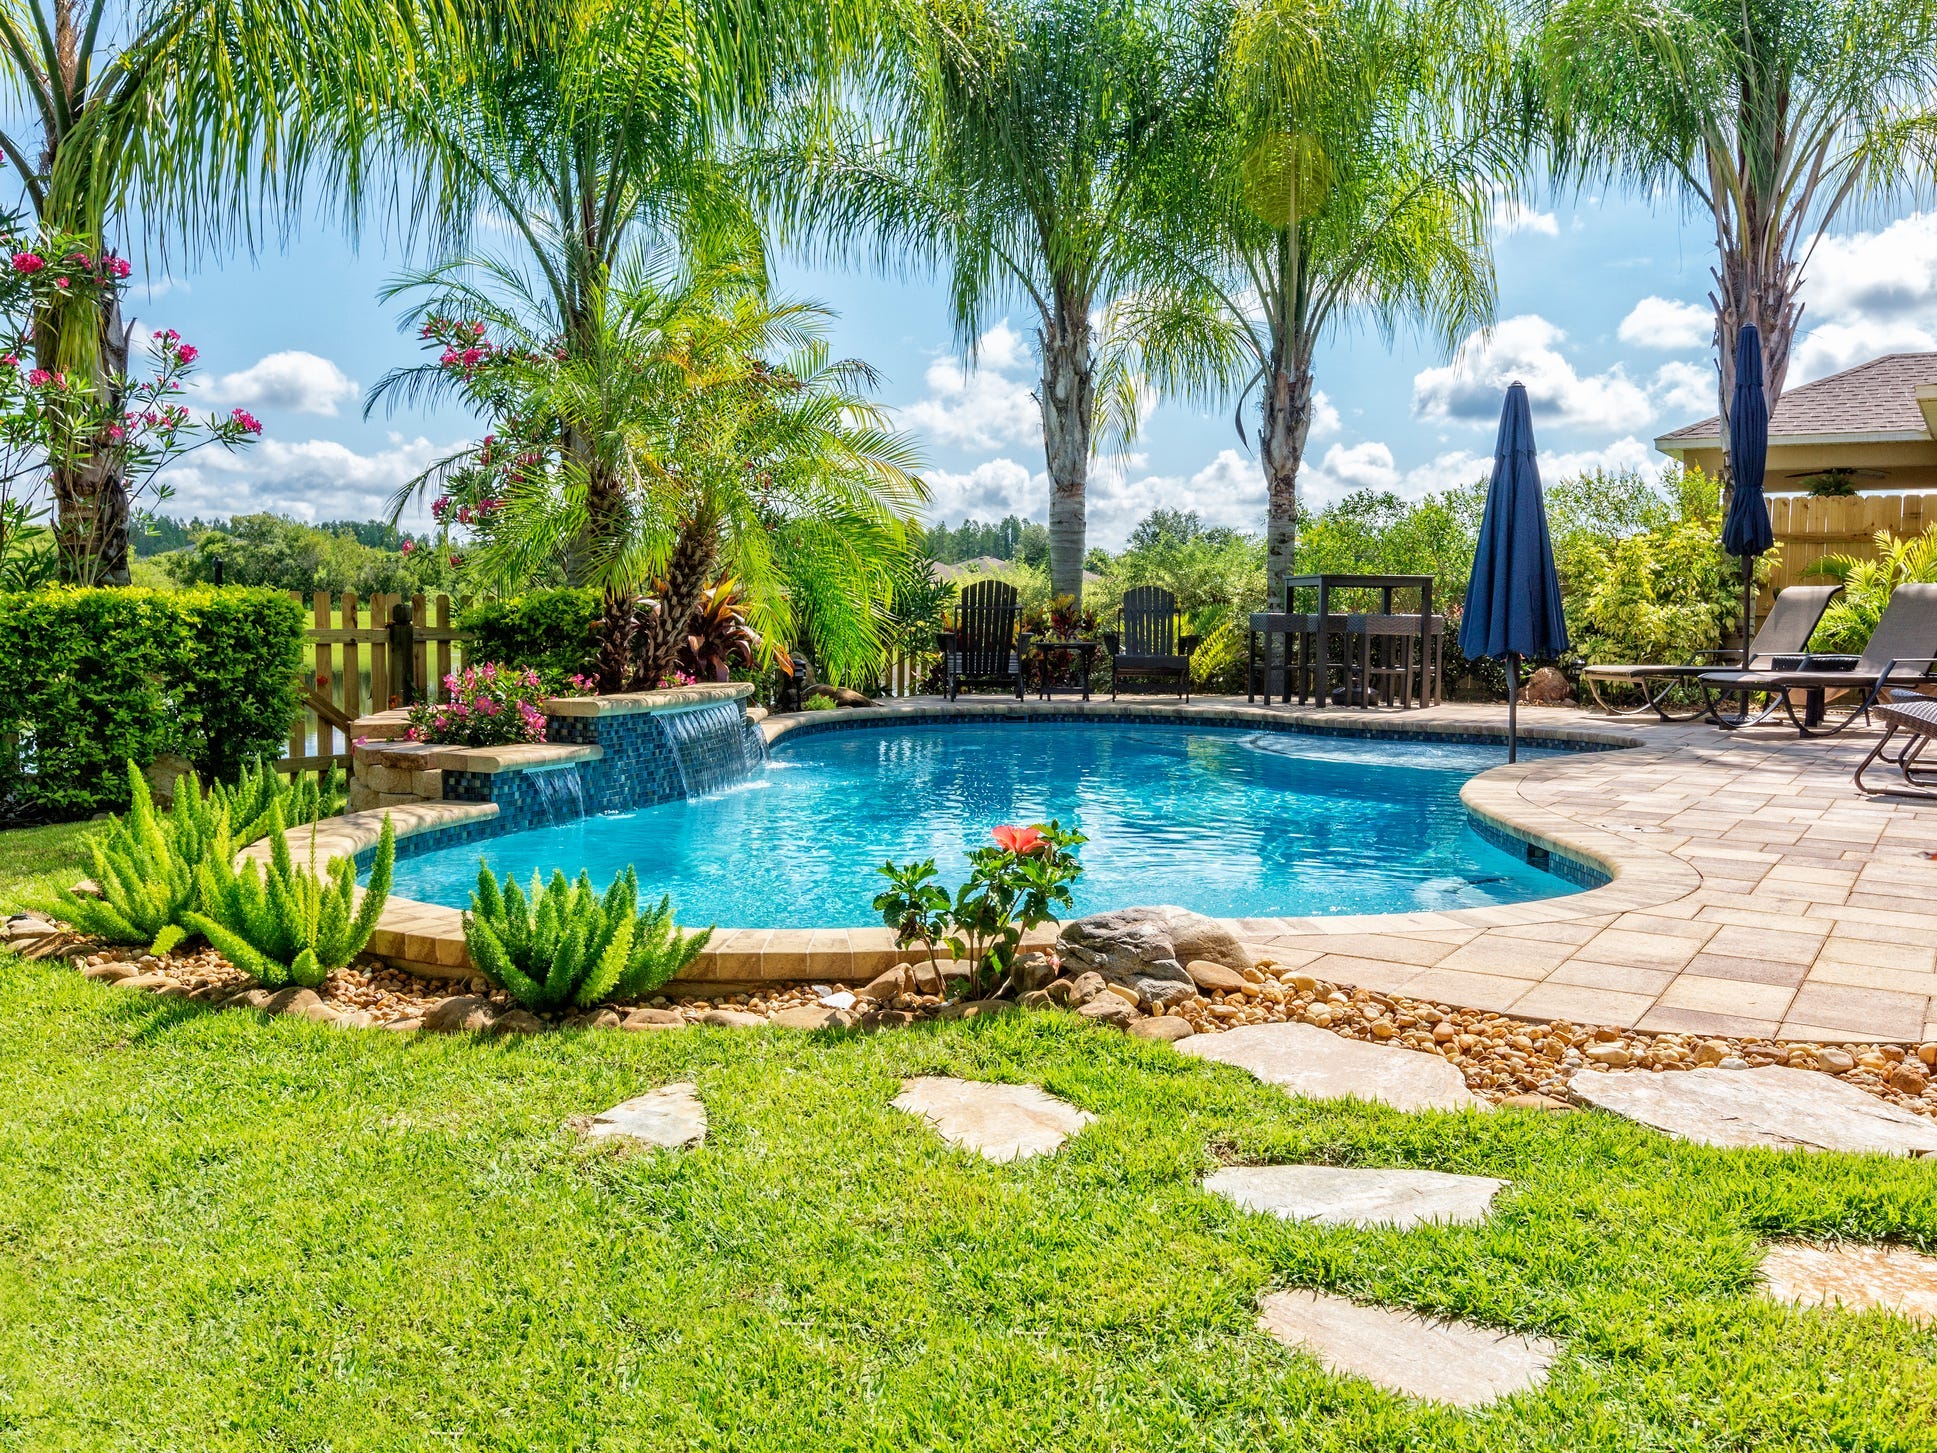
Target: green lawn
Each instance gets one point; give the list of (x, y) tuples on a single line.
[(36, 860), (219, 1232)]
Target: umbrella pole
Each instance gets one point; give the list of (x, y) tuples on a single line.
[(1513, 706), (1748, 606)]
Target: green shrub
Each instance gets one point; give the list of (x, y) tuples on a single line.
[(1868, 586), (146, 865), (290, 926), (549, 631), (564, 945), (1655, 596), (90, 679)]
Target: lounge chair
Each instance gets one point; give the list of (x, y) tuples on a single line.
[(983, 649), (1779, 643), (1148, 647), (1916, 718), (1896, 655)]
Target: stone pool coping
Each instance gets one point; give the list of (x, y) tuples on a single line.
[(428, 938), (1751, 890)]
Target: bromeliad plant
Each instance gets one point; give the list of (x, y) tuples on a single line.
[(290, 926), (1014, 886), (562, 945)]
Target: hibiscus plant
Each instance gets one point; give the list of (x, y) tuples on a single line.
[(1015, 885)]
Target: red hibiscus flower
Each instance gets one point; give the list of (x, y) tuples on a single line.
[(1019, 840)]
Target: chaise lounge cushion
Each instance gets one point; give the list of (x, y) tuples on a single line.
[(1150, 663)]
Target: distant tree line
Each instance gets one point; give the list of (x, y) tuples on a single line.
[(1012, 538), (366, 556)]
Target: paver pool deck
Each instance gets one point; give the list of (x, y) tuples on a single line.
[(1752, 891)]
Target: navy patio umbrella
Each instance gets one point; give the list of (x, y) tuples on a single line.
[(1746, 532), (1513, 607)]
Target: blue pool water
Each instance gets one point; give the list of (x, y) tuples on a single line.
[(1228, 822)]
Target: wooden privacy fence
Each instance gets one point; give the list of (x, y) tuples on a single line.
[(363, 656), (1807, 529)]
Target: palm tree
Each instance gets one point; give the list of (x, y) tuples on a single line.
[(1347, 176), (1008, 145), (712, 426), (583, 127), (206, 116), (1771, 115)]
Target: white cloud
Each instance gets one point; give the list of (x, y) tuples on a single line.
[(311, 479), (1325, 419), (293, 381), (1866, 294), (1837, 346), (1667, 324), (1515, 216), (1685, 389), (1470, 389), (983, 406), (994, 488), (1344, 468)]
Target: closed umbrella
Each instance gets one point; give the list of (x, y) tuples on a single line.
[(1746, 532), (1513, 607)]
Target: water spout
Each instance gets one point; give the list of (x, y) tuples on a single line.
[(559, 793), (715, 746)]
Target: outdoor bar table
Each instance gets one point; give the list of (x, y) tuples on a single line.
[(1320, 669)]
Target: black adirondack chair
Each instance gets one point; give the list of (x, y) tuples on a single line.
[(983, 648), (1149, 650)]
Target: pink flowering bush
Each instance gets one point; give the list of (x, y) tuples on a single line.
[(488, 706)]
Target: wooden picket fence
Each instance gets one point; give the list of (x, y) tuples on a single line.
[(1807, 529), (360, 660), (905, 674)]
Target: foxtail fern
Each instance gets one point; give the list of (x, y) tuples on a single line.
[(290, 926), (564, 944), (145, 866), (305, 797)]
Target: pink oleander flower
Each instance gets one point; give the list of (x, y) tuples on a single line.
[(439, 506), (61, 283), (117, 433), (471, 357), (477, 330), (464, 514), (408, 546), (448, 357), (120, 266), (187, 353), (168, 337), (82, 258), (249, 422), (9, 360), (28, 262), (39, 378), (456, 560)]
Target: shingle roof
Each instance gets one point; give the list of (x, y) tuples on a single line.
[(1878, 397)]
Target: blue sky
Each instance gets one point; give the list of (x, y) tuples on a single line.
[(1602, 313)]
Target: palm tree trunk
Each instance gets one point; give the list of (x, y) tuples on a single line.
[(1287, 424), (1756, 281), (92, 507), (1068, 400), (688, 573)]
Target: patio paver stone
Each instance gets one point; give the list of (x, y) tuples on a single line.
[(1856, 1278), (1319, 1064), (1000, 1122), (1353, 1196), (1448, 1362), (1781, 1108), (668, 1118)]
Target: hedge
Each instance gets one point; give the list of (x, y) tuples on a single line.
[(90, 679), (549, 631)]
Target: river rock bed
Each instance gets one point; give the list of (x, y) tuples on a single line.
[(1503, 1059)]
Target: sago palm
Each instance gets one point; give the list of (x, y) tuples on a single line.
[(1771, 116)]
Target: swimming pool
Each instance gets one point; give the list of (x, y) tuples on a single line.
[(1228, 822)]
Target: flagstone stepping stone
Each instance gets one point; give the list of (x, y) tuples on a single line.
[(1001, 1122), (1782, 1108), (1856, 1278), (1324, 1066), (667, 1118), (1447, 1362), (1350, 1196)]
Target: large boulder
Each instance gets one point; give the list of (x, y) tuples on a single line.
[(1145, 949)]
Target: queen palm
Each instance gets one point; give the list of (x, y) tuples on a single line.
[(1008, 146), (1772, 116), (710, 423), (1345, 175), (586, 128), (196, 110)]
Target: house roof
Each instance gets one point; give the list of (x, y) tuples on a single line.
[(1874, 398)]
